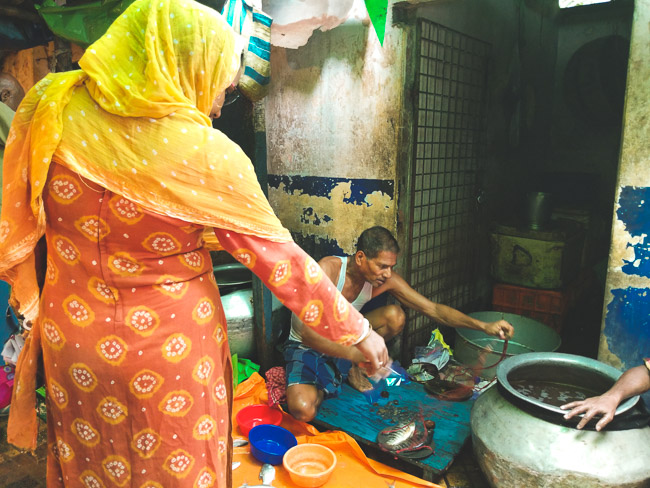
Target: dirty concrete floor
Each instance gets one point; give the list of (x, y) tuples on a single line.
[(24, 470), (464, 471)]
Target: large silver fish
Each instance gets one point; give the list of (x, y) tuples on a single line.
[(396, 436), (405, 436)]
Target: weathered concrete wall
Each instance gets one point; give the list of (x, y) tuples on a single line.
[(332, 118), (625, 335), (335, 111)]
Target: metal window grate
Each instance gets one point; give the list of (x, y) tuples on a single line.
[(449, 145)]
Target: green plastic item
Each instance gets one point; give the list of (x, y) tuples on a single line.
[(84, 24), (81, 24), (242, 369), (377, 12), (41, 409), (235, 370)]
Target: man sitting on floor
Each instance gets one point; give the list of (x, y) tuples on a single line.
[(316, 367)]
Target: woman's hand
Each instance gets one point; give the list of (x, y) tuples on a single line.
[(374, 350)]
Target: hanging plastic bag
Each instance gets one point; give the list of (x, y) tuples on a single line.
[(254, 25), (11, 349)]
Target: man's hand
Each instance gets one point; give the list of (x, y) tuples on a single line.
[(501, 329), (634, 381), (604, 405), (374, 350)]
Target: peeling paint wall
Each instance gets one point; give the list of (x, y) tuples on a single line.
[(332, 117), (625, 337), (333, 206)]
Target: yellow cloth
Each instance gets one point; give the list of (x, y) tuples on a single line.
[(135, 120), (353, 468)]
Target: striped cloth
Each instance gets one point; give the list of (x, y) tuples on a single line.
[(254, 25)]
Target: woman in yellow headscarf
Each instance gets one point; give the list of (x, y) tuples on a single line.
[(117, 164)]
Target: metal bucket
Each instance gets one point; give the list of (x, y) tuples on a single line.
[(479, 350), (538, 210)]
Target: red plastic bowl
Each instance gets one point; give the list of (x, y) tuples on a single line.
[(254, 415)]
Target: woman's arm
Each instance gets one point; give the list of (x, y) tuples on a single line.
[(300, 284)]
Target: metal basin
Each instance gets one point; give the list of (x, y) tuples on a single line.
[(479, 350)]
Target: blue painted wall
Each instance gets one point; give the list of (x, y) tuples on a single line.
[(627, 325), (627, 316), (625, 336), (634, 213)]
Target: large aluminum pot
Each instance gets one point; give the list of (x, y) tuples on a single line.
[(234, 282), (480, 351), (518, 446)]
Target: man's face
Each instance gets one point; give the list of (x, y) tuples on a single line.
[(378, 269), (11, 91)]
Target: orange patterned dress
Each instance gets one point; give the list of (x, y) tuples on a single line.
[(135, 351)]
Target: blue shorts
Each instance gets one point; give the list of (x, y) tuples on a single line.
[(305, 366)]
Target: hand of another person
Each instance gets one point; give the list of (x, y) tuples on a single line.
[(374, 351), (501, 329), (604, 405)]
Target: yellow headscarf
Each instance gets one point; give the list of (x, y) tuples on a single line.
[(135, 120)]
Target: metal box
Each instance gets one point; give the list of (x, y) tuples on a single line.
[(547, 259)]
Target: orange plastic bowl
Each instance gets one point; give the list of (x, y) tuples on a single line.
[(309, 465), (254, 415)]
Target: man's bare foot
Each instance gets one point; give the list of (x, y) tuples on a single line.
[(358, 379)]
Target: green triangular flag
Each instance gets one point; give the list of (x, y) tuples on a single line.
[(377, 11)]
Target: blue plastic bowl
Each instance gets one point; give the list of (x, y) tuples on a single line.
[(270, 442)]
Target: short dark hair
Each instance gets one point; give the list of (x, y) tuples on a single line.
[(376, 239)]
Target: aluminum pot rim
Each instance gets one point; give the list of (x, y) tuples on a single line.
[(512, 363)]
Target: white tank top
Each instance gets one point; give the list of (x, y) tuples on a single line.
[(362, 298)]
